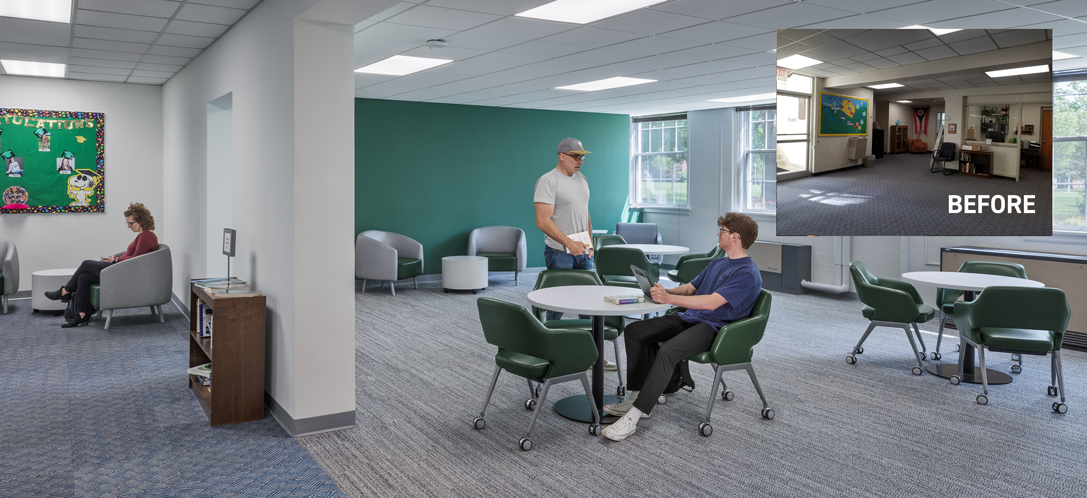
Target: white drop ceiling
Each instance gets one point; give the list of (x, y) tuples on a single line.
[(696, 49), (123, 41)]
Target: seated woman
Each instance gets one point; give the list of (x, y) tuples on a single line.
[(139, 220)]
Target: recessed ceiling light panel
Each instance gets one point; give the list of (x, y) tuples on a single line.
[(400, 65), (747, 98), (885, 85), (605, 84), (904, 101), (39, 10), (797, 61), (585, 11), (27, 68), (1044, 68)]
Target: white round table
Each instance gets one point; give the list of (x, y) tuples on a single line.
[(589, 300), (599, 232), (464, 273), (664, 250), (42, 281), (969, 283)]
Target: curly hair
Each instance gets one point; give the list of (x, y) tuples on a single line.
[(140, 214), (742, 225)]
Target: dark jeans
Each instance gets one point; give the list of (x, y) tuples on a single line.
[(650, 364), (88, 273), (559, 259)]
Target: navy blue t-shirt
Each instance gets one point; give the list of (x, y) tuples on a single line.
[(736, 280)]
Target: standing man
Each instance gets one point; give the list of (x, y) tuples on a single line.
[(724, 292)]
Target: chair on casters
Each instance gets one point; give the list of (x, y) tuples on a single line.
[(613, 325), (387, 256), (946, 298), (946, 153), (528, 349), (504, 248), (690, 265), (1018, 320), (145, 280), (890, 303), (9, 271)]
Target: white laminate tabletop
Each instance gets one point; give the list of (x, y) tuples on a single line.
[(656, 248), (599, 232), (463, 258), (62, 272), (589, 300), (967, 281)]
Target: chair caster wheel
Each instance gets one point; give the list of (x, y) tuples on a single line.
[(850, 359), (768, 413), (1016, 357), (924, 356), (983, 399), (728, 395), (916, 370), (1051, 390), (479, 423), (1016, 369), (937, 356), (525, 444), (955, 380), (621, 391), (595, 429), (530, 404), (860, 351), (1060, 408), (662, 400), (705, 429)]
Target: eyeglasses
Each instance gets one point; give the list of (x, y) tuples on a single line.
[(576, 157), (723, 230), (130, 223)]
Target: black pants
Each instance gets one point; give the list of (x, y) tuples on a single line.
[(650, 364), (88, 273)]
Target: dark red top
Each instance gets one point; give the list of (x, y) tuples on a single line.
[(145, 242)]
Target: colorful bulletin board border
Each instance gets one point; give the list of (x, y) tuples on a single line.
[(62, 157), (842, 115)]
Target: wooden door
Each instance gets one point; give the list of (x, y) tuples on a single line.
[(1047, 139)]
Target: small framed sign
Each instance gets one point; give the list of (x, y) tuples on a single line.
[(951, 128), (229, 242)]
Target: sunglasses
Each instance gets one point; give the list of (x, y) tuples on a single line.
[(576, 157)]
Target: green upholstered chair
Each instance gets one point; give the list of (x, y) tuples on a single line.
[(613, 266), (387, 256), (613, 325), (504, 248), (732, 350), (528, 349), (945, 298), (1019, 320), (607, 240), (690, 265), (890, 303)]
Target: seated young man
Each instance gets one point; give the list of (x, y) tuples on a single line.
[(724, 292)]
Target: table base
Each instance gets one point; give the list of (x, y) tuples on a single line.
[(946, 370), (577, 408)]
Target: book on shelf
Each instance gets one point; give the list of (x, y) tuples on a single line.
[(205, 324), (631, 299), (233, 291), (201, 370), (218, 282)]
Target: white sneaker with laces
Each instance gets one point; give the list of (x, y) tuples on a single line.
[(621, 408), (621, 429)]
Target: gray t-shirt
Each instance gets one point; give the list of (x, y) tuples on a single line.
[(570, 196)]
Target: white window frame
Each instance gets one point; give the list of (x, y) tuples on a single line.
[(1081, 230), (744, 155), (636, 197)]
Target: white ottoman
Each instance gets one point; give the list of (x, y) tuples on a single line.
[(464, 273), (48, 280)]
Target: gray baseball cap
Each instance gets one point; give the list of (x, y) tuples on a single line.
[(572, 145)]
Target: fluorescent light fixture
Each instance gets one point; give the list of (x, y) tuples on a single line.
[(27, 68), (937, 32), (1044, 68), (585, 11), (399, 65), (1057, 56), (606, 84), (904, 101), (39, 10), (885, 85), (747, 98), (797, 61)]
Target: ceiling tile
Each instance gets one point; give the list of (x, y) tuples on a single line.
[(122, 21), (102, 54), (114, 34), (848, 22), (369, 50), (712, 52), (109, 45), (879, 39), (934, 53), (1018, 37), (209, 13), (907, 58), (649, 22), (859, 6), (503, 8), (867, 56), (713, 32), (196, 28), (974, 45), (402, 33), (544, 49), (456, 54), (717, 9), (834, 51), (481, 41), (1068, 8), (173, 51), (145, 81), (436, 17), (234, 4), (34, 32), (925, 12), (168, 68), (881, 63), (656, 45), (98, 70), (153, 8), (1061, 28), (81, 61), (153, 74), (363, 80), (589, 36), (763, 43), (789, 16), (523, 28), (95, 77), (605, 55), (1004, 19), (1066, 41), (184, 41), (859, 67), (923, 44)]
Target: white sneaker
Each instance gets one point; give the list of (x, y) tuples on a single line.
[(620, 409), (622, 428), (610, 366)]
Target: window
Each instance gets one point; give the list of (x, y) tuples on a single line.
[(793, 126), (659, 162), (757, 157), (1069, 155)]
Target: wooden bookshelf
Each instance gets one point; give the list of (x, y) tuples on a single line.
[(899, 139), (236, 393), (976, 163)]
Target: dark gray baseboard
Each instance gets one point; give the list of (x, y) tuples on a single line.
[(308, 426)]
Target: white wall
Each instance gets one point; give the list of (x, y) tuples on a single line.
[(134, 137)]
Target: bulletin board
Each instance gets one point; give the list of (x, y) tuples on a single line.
[(52, 161), (842, 115)]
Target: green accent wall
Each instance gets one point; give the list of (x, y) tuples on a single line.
[(434, 172)]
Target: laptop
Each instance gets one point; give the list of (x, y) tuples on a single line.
[(643, 282)]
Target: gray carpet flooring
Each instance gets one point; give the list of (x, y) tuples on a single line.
[(871, 429), (899, 196)]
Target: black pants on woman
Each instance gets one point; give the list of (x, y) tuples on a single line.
[(88, 273), (654, 347)]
